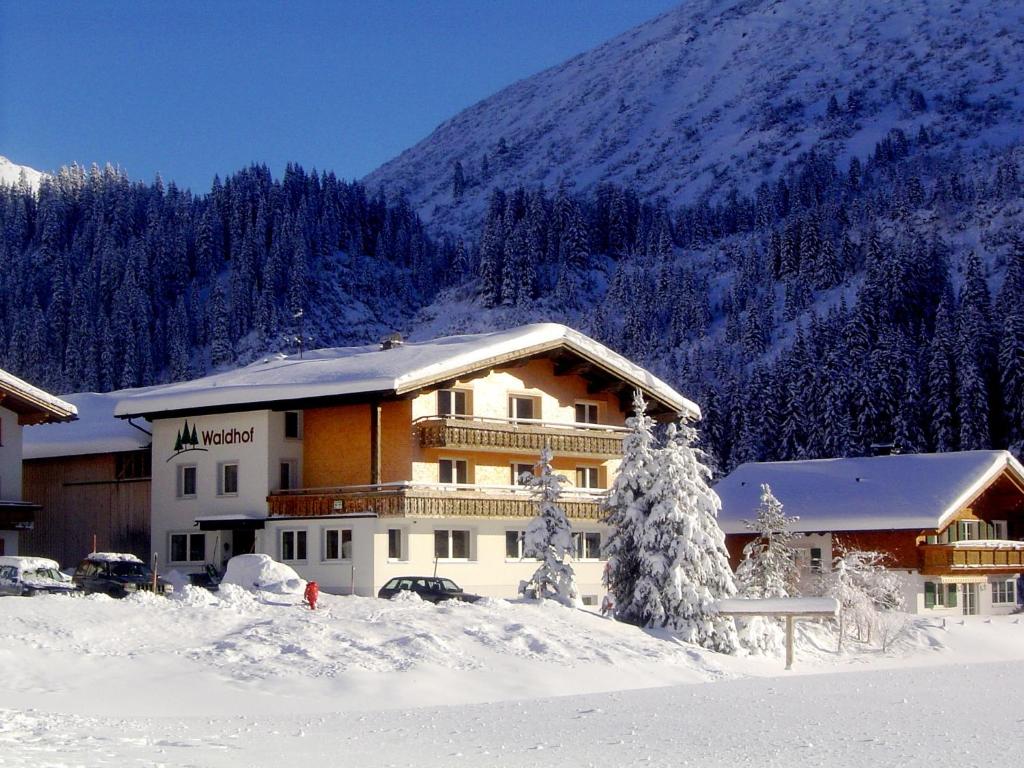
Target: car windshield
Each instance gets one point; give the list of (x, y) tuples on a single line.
[(393, 584), (125, 568)]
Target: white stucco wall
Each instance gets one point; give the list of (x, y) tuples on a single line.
[(10, 456)]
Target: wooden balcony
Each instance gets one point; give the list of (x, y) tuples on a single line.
[(426, 500), (475, 433), (957, 558)]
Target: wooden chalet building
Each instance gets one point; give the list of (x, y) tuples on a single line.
[(21, 405), (359, 464), (92, 480), (952, 524)]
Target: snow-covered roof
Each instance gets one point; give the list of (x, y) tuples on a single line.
[(916, 491), (401, 369), (29, 563), (792, 606), (22, 397), (95, 431)]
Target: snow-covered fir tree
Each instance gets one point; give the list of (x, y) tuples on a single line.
[(549, 538), (768, 569), (626, 507)]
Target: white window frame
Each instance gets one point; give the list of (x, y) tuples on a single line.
[(403, 545), (298, 426), (515, 470), (294, 532), (588, 469), (579, 546), (341, 531), (534, 399), (1004, 588), (449, 558), (588, 404), (293, 474), (520, 546), (180, 473), (188, 546), (456, 460), (454, 411), (965, 526), (221, 471)]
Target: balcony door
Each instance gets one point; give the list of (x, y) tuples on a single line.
[(970, 599)]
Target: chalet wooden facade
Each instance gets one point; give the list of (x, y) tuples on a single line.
[(364, 464), (951, 524), (21, 405)]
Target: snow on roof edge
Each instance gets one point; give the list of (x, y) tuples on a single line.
[(60, 408)]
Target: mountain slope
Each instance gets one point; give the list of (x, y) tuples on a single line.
[(10, 173), (726, 93)]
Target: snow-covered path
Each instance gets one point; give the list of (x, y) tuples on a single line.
[(926, 716)]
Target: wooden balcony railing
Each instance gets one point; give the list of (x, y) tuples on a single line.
[(946, 558), (427, 500), (513, 435)]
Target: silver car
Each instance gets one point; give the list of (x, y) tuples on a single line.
[(29, 576)]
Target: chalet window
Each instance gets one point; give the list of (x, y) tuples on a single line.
[(517, 473), (395, 549), (338, 544), (523, 407), (586, 545), (452, 402), (293, 545), (288, 477), (968, 530), (586, 413), (188, 547), (816, 559), (588, 477), (999, 529), (1003, 593), (453, 471), (514, 544), (938, 595), (292, 425), (451, 545), (227, 479), (186, 481), (133, 465)]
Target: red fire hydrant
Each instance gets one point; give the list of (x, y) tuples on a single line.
[(312, 593)]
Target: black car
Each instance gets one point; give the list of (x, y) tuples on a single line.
[(29, 576), (429, 588), (116, 575)]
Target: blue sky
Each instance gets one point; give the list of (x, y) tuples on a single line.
[(191, 89)]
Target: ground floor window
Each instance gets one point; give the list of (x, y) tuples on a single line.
[(937, 595), (338, 544), (395, 548), (293, 545), (586, 545), (451, 545), (1003, 593), (515, 544), (188, 547)]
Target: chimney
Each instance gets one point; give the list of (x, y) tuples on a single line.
[(391, 341)]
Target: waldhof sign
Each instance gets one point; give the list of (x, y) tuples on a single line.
[(190, 439)]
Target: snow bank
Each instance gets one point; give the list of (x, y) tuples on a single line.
[(262, 573)]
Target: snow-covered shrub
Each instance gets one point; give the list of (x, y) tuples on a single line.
[(863, 586), (549, 538)]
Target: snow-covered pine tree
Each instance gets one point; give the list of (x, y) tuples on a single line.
[(626, 509), (549, 538), (768, 569)]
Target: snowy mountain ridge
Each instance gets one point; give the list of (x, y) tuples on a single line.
[(719, 94), (11, 173)]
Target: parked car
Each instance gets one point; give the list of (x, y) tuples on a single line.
[(29, 576), (117, 575), (429, 588)]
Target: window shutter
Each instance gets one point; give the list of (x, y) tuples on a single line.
[(929, 594), (951, 595), (953, 532), (931, 539)]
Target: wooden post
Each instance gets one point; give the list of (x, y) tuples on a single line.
[(789, 642), (375, 447), (155, 558)]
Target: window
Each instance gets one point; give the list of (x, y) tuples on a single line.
[(452, 402), (1003, 593), (395, 544), (338, 544), (514, 544), (292, 425), (186, 481), (586, 546), (938, 595), (133, 465), (293, 545), (451, 545), (453, 471), (228, 480), (288, 478), (188, 547), (517, 473), (999, 529), (816, 559), (586, 413), (587, 477), (967, 530), (522, 407), (590, 600)]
